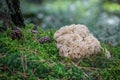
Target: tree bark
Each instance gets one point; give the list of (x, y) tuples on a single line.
[(15, 12), (4, 15), (10, 13)]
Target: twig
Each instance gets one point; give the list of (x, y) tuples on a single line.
[(29, 50), (22, 60)]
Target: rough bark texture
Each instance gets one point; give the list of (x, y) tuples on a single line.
[(4, 15), (15, 12), (10, 12)]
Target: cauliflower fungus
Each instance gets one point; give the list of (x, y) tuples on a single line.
[(75, 41)]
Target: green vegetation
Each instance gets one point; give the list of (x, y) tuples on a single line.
[(112, 7), (27, 59)]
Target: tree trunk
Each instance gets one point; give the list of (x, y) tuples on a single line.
[(10, 13), (15, 12), (4, 15)]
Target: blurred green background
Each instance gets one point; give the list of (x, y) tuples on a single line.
[(102, 17)]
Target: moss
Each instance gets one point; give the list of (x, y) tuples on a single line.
[(27, 59)]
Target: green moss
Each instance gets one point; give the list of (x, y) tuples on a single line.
[(30, 60)]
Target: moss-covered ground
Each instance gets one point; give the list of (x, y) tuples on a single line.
[(27, 59)]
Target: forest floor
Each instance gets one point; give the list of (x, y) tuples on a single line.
[(27, 59)]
